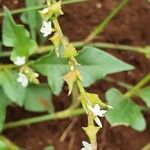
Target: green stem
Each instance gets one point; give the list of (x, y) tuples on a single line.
[(5, 54), (118, 47), (119, 83), (7, 66), (16, 11), (12, 66), (44, 49), (90, 119), (58, 115), (75, 95), (69, 112), (104, 23), (84, 100), (138, 86)]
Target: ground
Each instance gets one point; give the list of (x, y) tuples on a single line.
[(130, 26)]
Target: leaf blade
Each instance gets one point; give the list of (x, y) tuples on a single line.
[(144, 94), (14, 91), (15, 35), (38, 99), (54, 68), (124, 111), (96, 64)]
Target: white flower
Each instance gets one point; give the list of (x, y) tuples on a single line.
[(86, 145), (23, 79), (98, 121), (46, 28), (44, 11), (97, 112), (20, 61)]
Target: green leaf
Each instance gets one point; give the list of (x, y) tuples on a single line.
[(94, 99), (144, 94), (32, 18), (96, 64), (54, 68), (13, 89), (3, 146), (124, 112), (4, 101), (17, 36), (38, 98)]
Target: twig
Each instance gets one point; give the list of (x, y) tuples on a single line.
[(133, 91), (118, 82), (68, 129), (20, 10), (47, 48), (72, 140)]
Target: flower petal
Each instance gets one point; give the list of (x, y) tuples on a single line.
[(25, 83), (97, 120), (44, 11), (19, 61), (46, 28), (84, 143), (87, 146), (101, 113), (23, 79), (97, 109)]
